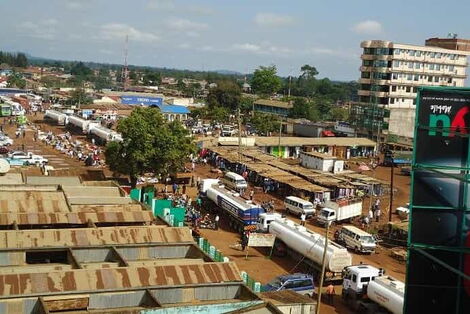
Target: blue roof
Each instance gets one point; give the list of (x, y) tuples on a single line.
[(165, 108)]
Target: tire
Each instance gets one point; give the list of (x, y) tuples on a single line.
[(26, 163)]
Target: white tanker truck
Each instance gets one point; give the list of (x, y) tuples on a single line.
[(306, 246), (367, 290), (56, 116), (82, 124)]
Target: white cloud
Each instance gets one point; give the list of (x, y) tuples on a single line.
[(273, 20), (161, 5), (180, 24), (118, 31), (264, 48), (247, 47), (340, 53), (44, 29), (170, 6), (184, 46), (368, 27)]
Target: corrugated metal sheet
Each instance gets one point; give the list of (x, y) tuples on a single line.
[(32, 201), (11, 178), (74, 218), (23, 239), (92, 191), (106, 208), (97, 200), (82, 280), (43, 180)]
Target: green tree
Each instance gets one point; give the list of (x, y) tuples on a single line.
[(79, 96), (265, 81), (304, 109), (81, 70), (265, 123), (16, 80), (227, 94), (152, 79), (150, 144), (339, 114), (308, 72)]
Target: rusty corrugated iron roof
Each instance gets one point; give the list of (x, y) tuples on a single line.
[(32, 201), (79, 237), (106, 208), (75, 218), (87, 280)]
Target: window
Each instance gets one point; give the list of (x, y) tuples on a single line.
[(365, 75), (46, 257), (450, 80), (394, 76), (451, 68), (417, 65), (394, 88), (415, 89), (429, 78), (392, 101), (396, 51), (416, 77), (452, 57), (409, 77), (408, 89), (431, 66), (367, 63), (410, 65), (365, 279), (438, 67), (396, 63), (438, 55), (418, 53), (436, 79), (412, 53), (432, 54), (354, 278)]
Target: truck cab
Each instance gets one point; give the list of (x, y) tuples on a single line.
[(265, 220), (300, 283), (356, 278), (326, 215)]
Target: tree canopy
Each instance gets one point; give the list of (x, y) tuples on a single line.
[(14, 59), (150, 144), (227, 94), (265, 123), (304, 109), (16, 80), (265, 81)]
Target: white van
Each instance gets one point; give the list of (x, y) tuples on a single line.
[(234, 181), (356, 239), (298, 206)]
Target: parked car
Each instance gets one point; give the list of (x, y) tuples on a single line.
[(35, 160), (18, 154), (5, 141), (300, 283)]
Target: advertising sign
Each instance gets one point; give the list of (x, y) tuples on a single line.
[(438, 259), (137, 100), (261, 240)]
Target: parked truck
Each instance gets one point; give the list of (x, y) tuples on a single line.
[(340, 210), (367, 290), (241, 213), (306, 246)]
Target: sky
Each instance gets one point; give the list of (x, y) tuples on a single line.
[(237, 35)]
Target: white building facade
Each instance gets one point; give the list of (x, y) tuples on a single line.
[(391, 74)]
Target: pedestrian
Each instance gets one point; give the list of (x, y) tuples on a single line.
[(244, 241), (330, 293), (252, 193), (377, 215), (22, 147), (184, 189), (371, 214), (175, 187), (199, 202), (216, 220), (193, 166), (24, 133), (302, 219)]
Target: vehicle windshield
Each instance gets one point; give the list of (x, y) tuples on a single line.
[(241, 182), (277, 283), (324, 213), (308, 206), (367, 239)]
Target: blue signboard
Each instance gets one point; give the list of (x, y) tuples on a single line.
[(138, 100)]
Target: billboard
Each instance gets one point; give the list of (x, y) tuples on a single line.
[(439, 235), (138, 100)]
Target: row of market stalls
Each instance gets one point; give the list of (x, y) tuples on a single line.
[(291, 179)]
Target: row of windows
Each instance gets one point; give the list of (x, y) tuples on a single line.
[(408, 89), (416, 77), (397, 100), (431, 54), (419, 65), (378, 51)]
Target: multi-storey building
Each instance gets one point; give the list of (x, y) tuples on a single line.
[(390, 76)]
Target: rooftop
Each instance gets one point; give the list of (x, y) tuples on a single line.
[(274, 103)]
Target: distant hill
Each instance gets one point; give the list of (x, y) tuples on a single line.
[(228, 72)]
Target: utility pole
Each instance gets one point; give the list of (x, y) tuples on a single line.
[(290, 80), (322, 276), (280, 133), (125, 70), (391, 190), (239, 135)]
